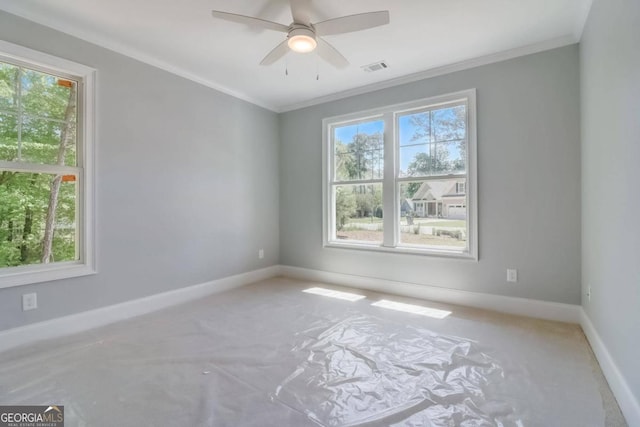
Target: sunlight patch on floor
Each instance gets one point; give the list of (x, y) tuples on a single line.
[(334, 294), (410, 308)]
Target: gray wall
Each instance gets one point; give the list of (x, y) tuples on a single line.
[(187, 183), (529, 182), (610, 72)]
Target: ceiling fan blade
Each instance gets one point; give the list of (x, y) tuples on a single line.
[(277, 53), (351, 23), (331, 54), (301, 11), (249, 20)]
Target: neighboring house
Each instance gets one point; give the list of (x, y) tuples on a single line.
[(406, 206), (442, 199)]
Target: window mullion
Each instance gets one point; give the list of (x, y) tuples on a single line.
[(34, 116), (432, 177), (38, 168), (391, 212), (357, 182), (19, 121)]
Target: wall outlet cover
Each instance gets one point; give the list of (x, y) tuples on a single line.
[(29, 301)]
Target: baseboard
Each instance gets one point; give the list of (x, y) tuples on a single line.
[(626, 400), (520, 306), (95, 318), (86, 320)]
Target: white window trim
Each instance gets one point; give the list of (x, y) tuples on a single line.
[(388, 113), (86, 265)]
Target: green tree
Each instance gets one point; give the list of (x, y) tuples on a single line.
[(427, 164), (361, 158), (345, 206), (368, 200)]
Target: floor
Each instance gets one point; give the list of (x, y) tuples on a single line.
[(269, 354)]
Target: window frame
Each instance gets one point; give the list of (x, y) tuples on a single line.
[(392, 180), (85, 202)]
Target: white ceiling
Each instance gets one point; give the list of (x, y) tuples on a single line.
[(182, 37)]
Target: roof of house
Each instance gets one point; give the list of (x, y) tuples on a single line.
[(435, 190)]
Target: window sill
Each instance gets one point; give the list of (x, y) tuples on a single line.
[(26, 275), (410, 250)]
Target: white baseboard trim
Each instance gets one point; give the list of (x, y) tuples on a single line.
[(629, 405), (520, 306), (86, 320)]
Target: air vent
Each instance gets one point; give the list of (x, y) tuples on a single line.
[(376, 66)]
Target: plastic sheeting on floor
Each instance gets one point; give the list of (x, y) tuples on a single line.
[(272, 355)]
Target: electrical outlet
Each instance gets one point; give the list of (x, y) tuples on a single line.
[(512, 275), (29, 301), (261, 254)]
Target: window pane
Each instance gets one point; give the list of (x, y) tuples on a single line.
[(449, 123), (24, 235), (44, 95), (8, 86), (359, 151), (8, 137), (438, 158), (455, 152), (42, 139), (358, 213), (434, 213), (433, 142), (414, 128), (37, 117)]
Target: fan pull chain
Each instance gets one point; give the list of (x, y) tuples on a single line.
[(317, 69)]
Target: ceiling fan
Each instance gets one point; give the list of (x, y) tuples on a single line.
[(304, 36)]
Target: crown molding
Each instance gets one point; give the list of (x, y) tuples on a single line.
[(24, 12), (438, 71), (581, 20)]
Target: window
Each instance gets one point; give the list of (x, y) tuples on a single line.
[(403, 178), (46, 225)]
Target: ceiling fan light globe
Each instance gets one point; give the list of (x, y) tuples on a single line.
[(302, 40), (302, 44)]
